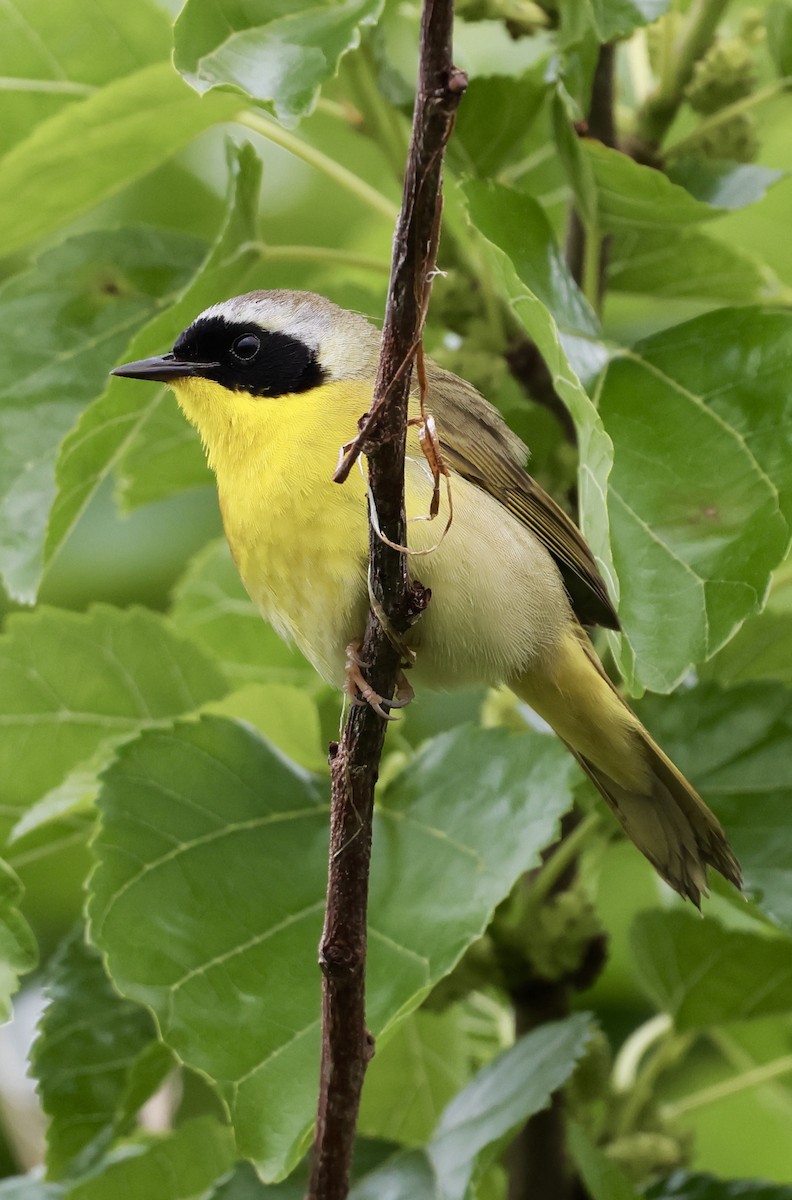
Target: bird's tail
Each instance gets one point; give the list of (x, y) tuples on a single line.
[(658, 809)]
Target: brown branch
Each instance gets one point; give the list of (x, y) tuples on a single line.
[(537, 1161), (346, 1044)]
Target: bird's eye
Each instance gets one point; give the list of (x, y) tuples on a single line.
[(246, 347)]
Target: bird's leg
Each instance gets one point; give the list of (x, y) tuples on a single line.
[(359, 691), (430, 447)]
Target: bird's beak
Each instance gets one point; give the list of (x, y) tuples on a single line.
[(165, 368)]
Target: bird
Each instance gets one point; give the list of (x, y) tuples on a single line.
[(275, 383)]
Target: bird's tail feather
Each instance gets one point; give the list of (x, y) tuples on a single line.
[(659, 810)]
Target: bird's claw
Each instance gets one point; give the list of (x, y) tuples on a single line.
[(360, 692), (405, 693)]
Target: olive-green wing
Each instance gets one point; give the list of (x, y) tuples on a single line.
[(478, 445)]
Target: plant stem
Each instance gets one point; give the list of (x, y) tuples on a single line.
[(739, 1058), (766, 1073), (379, 118), (669, 1050), (346, 179), (745, 104), (591, 272), (346, 1044), (339, 111), (562, 858), (660, 109), (628, 1060), (65, 87), (317, 254)]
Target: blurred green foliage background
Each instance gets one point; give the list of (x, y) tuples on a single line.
[(127, 205)]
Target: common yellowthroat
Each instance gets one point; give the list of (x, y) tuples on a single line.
[(275, 383)]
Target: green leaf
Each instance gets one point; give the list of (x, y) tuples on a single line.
[(406, 1176), (604, 1179), (413, 1076), (18, 949), (778, 21), (493, 121), (565, 114), (762, 649), (495, 228), (177, 1166), (700, 496), (59, 53), (244, 1184), (633, 196), (607, 19), (723, 185), (682, 1186), (71, 681), (702, 974), (211, 607), (112, 425), (76, 793), (29, 1187), (229, 969), (96, 1059), (527, 239), (734, 745), (81, 303), (502, 1097), (282, 61), (110, 135), (679, 263), (163, 458), (496, 798), (287, 716)]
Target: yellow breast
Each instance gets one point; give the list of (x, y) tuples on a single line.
[(299, 540)]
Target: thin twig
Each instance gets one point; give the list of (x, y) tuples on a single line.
[(346, 1044), (758, 1076), (259, 122)]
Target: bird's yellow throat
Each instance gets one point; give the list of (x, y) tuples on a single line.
[(298, 539)]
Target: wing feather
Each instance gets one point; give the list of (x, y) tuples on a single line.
[(494, 460)]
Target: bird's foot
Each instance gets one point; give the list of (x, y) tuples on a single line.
[(359, 691)]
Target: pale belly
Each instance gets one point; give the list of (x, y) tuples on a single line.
[(498, 604)]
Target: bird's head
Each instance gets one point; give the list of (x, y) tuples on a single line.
[(259, 346)]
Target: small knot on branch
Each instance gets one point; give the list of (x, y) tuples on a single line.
[(418, 599), (457, 82), (339, 961)]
